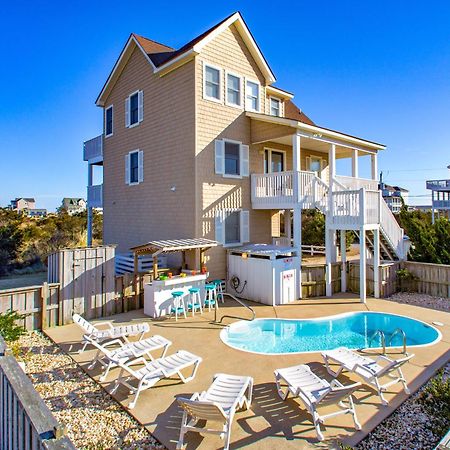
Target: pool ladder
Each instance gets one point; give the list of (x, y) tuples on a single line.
[(383, 338)]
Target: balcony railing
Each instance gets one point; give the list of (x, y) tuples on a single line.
[(441, 204), (95, 196), (93, 149), (438, 185), (353, 183)]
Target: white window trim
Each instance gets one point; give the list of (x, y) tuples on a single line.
[(241, 89), (230, 175), (270, 150), (135, 182), (251, 80), (280, 102), (112, 117), (129, 100), (207, 97), (225, 212)]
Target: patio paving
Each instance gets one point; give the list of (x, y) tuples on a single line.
[(270, 423)]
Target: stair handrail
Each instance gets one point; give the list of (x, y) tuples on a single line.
[(397, 331), (339, 185), (388, 223), (234, 317), (383, 339)]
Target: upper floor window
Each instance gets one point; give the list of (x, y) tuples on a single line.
[(233, 90), (109, 121), (134, 167), (134, 109), (231, 158), (212, 84), (275, 107), (252, 96)]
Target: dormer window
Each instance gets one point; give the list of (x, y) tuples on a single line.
[(252, 96), (275, 107)]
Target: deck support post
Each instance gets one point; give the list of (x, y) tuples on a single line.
[(374, 166), (89, 207), (343, 261), (432, 207), (355, 163), (362, 264), (376, 263), (298, 244), (288, 225), (328, 259)]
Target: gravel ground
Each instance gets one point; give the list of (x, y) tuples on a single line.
[(406, 429), (93, 418), (424, 300)]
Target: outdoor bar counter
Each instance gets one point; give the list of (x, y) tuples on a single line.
[(158, 294)]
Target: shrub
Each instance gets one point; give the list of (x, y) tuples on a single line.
[(436, 400), (8, 325)]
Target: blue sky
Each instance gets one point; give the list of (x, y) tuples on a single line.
[(376, 69)]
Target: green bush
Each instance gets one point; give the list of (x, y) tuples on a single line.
[(436, 400), (9, 328)]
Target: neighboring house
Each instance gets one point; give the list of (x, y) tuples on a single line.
[(21, 203), (440, 197), (36, 212), (198, 142), (73, 205), (394, 196)]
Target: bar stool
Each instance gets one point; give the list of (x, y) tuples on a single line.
[(219, 290), (178, 306), (195, 301), (210, 296)]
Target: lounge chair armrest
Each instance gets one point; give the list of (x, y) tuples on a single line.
[(139, 360), (383, 358), (107, 323), (114, 342), (364, 368)]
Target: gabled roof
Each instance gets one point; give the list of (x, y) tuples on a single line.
[(292, 111), (27, 199), (162, 57)]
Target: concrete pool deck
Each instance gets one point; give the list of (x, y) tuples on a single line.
[(270, 423)]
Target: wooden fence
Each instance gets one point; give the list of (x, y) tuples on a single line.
[(388, 278), (313, 279), (25, 420), (432, 279)]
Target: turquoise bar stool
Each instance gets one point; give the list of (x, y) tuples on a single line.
[(178, 306), (219, 290), (195, 301), (210, 296)]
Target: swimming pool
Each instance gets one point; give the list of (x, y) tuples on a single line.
[(352, 330)]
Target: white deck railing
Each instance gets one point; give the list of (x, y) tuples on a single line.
[(93, 149), (392, 230), (438, 185), (95, 196), (354, 184)]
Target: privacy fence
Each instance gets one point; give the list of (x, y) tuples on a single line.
[(25, 420)]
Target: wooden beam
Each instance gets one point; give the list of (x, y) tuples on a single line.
[(155, 267), (44, 302)]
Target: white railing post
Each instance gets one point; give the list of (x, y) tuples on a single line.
[(362, 202)]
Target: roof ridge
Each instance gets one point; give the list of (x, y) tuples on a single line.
[(152, 40)]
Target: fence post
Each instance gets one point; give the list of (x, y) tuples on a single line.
[(44, 299)]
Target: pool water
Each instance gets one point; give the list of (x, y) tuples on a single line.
[(351, 330)]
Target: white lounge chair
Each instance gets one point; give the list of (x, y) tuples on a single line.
[(315, 392), (110, 358), (93, 332), (218, 404), (153, 371), (370, 370)]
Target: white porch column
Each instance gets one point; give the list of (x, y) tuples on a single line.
[(355, 163), (89, 207), (362, 264), (343, 261), (296, 161), (298, 244), (328, 260), (288, 224), (376, 263), (374, 166), (332, 165), (332, 237)]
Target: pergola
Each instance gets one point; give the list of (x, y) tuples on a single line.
[(156, 248)]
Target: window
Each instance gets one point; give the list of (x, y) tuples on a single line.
[(232, 227), (211, 86), (252, 96), (233, 90), (231, 158), (134, 109), (134, 167), (275, 107), (109, 121), (274, 160)]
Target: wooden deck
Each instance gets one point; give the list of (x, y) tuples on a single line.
[(271, 423)]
